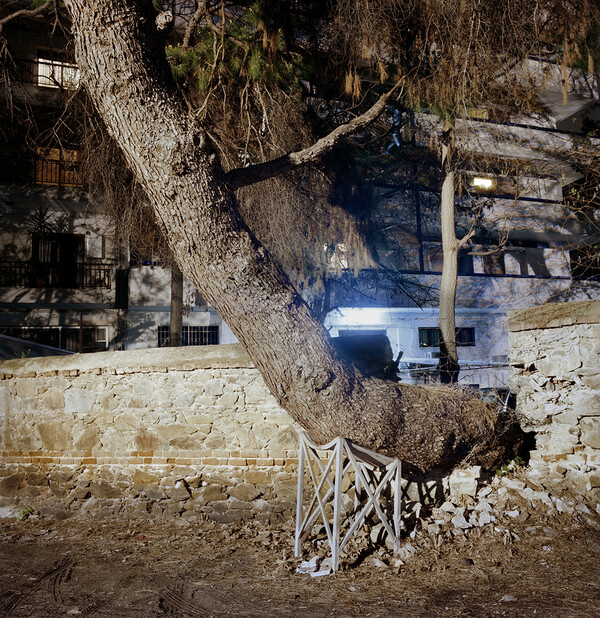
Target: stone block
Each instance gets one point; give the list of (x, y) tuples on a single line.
[(244, 492), (28, 388), (179, 492), (568, 417), (35, 476), (586, 403), (286, 439), (80, 493), (215, 440), (9, 485), (560, 439), (246, 438), (54, 436), (54, 399), (256, 393), (464, 482), (227, 517), (192, 442), (102, 489), (559, 365), (592, 382), (58, 490), (142, 480), (213, 388), (265, 431), (286, 491), (257, 477), (200, 419), (154, 494), (590, 431), (88, 440), (79, 400), (228, 400), (174, 430), (146, 440), (213, 493)]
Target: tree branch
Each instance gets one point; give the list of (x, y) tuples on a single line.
[(465, 239), (25, 13), (244, 176), (194, 21), (202, 11)]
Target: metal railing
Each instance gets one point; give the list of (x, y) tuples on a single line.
[(22, 274), (57, 172)]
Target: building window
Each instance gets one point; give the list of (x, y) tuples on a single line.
[(55, 260), (52, 73), (58, 167), (190, 335), (72, 338), (430, 337), (433, 255), (493, 263)]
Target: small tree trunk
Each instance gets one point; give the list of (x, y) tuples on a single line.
[(448, 364), (176, 310)]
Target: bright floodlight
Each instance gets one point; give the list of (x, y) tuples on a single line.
[(482, 183)]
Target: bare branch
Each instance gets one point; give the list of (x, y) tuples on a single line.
[(25, 13), (194, 21), (204, 12), (465, 239), (242, 177)]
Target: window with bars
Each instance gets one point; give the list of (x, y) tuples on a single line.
[(58, 167), (190, 335), (72, 338), (430, 337), (53, 73)]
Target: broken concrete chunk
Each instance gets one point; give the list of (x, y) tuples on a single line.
[(309, 566)]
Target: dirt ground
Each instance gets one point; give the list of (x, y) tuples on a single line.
[(546, 566)]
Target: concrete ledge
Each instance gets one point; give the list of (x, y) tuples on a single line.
[(227, 356), (554, 315)]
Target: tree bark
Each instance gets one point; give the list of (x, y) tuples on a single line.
[(448, 366), (129, 81)]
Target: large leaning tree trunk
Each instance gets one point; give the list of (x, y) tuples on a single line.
[(129, 80)]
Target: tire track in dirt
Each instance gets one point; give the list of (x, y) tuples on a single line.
[(172, 601), (94, 607), (56, 575)]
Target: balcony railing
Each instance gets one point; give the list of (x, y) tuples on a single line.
[(57, 172), (47, 275)]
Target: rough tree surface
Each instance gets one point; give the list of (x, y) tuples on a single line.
[(127, 76)]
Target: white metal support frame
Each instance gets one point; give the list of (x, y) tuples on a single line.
[(373, 473)]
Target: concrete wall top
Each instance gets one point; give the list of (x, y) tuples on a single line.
[(554, 315), (185, 358)]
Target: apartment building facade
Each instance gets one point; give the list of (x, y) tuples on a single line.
[(65, 282)]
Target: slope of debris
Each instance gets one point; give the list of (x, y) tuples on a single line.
[(514, 548)]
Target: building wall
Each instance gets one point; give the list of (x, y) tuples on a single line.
[(483, 303)]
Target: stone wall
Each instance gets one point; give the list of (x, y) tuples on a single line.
[(190, 432), (555, 370)]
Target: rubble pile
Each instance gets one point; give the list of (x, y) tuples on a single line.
[(510, 505)]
